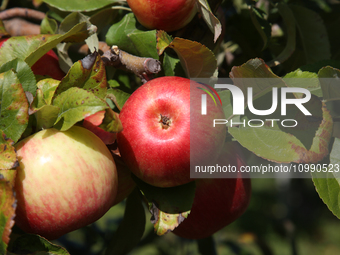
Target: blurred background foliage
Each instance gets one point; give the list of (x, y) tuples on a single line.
[(285, 217)]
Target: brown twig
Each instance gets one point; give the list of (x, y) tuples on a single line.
[(144, 68), (22, 12), (18, 26)]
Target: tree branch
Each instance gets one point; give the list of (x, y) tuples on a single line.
[(144, 68), (22, 12)]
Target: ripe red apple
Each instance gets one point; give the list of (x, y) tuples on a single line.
[(65, 181), (46, 65), (164, 131), (163, 15), (217, 202)]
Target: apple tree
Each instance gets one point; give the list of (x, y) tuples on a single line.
[(97, 127)]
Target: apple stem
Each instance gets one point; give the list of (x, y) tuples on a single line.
[(144, 68), (165, 121)]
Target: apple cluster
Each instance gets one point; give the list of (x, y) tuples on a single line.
[(164, 132)]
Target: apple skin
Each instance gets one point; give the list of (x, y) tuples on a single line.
[(160, 154), (163, 15), (218, 202), (65, 181), (46, 65)]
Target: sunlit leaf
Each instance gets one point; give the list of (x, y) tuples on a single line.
[(88, 73), (307, 142), (8, 157), (23, 72), (328, 184), (13, 107), (330, 83), (7, 206), (79, 5), (75, 104)]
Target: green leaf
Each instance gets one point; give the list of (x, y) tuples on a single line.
[(88, 73), (315, 67), (307, 80), (23, 72), (13, 107), (120, 96), (111, 122), (131, 230), (7, 207), (261, 24), (168, 206), (35, 244), (75, 104), (79, 5), (163, 41), (3, 32), (48, 26), (313, 34), (328, 184), (244, 76), (330, 84), (33, 47), (169, 64), (289, 21), (307, 142), (48, 87), (196, 59), (209, 18), (128, 37), (8, 156)]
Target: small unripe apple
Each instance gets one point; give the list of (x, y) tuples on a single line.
[(163, 15), (48, 64), (65, 181), (92, 123), (164, 131), (218, 202)]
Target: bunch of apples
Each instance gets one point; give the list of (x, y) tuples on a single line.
[(67, 180), (164, 131)]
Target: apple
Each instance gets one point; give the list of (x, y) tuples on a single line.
[(65, 181), (163, 15), (218, 202), (164, 131), (92, 123), (46, 65)]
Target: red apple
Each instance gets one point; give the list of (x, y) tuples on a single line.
[(92, 123), (218, 202), (46, 65), (163, 15), (164, 131), (65, 181)]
